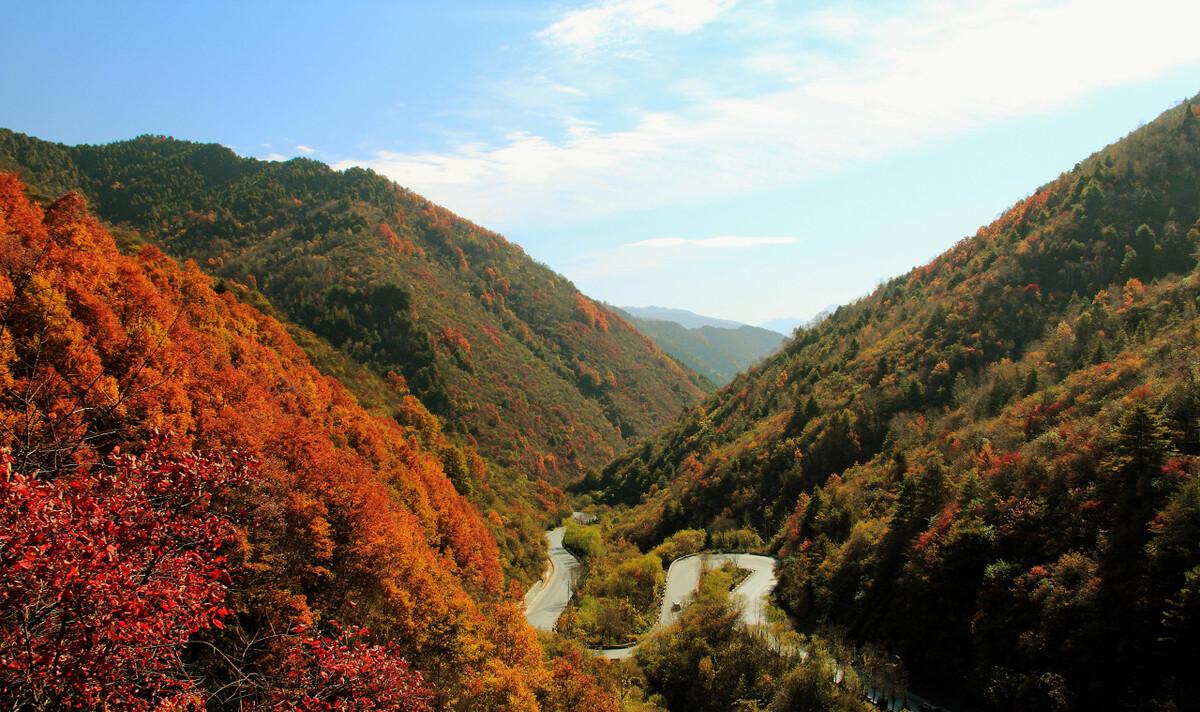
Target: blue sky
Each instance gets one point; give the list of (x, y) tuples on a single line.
[(742, 159)]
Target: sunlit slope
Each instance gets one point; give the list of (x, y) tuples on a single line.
[(509, 352), (347, 517)]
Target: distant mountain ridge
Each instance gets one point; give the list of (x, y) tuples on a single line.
[(784, 325), (683, 317), (787, 325), (715, 352)]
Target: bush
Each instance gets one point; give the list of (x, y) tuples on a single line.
[(681, 543), (583, 541), (736, 540)]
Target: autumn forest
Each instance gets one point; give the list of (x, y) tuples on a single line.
[(275, 435)]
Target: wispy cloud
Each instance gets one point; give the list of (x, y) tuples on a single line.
[(839, 87), (305, 149), (569, 90), (725, 242), (619, 21)]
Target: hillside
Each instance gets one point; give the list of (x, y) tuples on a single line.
[(989, 464), (717, 353), (344, 516), (516, 360)]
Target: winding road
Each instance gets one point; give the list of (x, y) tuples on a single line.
[(547, 599), (683, 577)]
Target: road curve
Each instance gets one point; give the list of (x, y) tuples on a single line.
[(683, 577), (547, 599)]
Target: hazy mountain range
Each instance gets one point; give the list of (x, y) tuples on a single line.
[(717, 349)]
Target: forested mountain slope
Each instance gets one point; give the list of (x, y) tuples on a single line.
[(717, 353), (345, 515), (507, 351), (990, 462)]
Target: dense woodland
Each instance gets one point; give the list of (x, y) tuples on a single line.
[(990, 462), (308, 464), (192, 511), (393, 294), (502, 347)]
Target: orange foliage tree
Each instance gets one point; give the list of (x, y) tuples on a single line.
[(349, 515)]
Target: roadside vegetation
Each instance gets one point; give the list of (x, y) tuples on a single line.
[(619, 588), (694, 541), (709, 660), (736, 575), (618, 591)]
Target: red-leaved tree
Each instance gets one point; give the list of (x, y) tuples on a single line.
[(342, 672), (104, 576)]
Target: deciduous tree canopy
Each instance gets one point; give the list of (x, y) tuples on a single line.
[(345, 516), (986, 461)]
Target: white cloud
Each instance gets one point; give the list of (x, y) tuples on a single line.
[(894, 83), (569, 90), (275, 157), (305, 149), (618, 21), (727, 242)]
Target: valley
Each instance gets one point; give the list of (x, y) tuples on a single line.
[(979, 456), (715, 349), (279, 431)]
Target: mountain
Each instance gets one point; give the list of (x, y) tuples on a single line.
[(990, 463), (683, 317), (788, 325), (343, 515), (519, 363), (717, 353), (784, 325)]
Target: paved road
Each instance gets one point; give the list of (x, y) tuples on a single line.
[(547, 598), (683, 576), (545, 601)]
